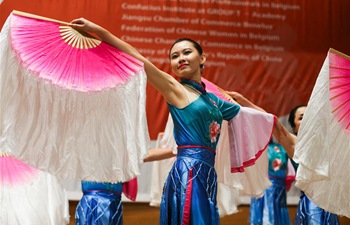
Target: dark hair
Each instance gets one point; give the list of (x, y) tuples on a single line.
[(291, 117), (195, 44)]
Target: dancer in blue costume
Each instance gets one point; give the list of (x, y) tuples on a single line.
[(308, 213), (271, 209), (100, 205), (189, 195)]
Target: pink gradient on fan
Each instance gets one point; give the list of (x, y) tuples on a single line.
[(212, 88), (339, 84), (42, 51), (14, 172)]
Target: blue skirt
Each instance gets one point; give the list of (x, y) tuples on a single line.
[(271, 209), (189, 193), (100, 205), (310, 214)]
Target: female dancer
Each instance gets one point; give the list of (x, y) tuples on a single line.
[(272, 207), (189, 194), (307, 213)]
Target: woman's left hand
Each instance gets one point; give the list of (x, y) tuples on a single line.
[(85, 25)]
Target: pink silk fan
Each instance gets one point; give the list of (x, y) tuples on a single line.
[(70, 104), (339, 82), (67, 58), (13, 171), (323, 145)]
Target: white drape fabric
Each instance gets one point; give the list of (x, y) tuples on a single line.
[(99, 136), (41, 200), (323, 151)]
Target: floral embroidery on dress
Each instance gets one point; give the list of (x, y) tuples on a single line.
[(276, 164), (277, 149), (214, 129)]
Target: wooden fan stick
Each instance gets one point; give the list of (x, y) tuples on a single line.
[(77, 39), (38, 17), (339, 53), (4, 154)]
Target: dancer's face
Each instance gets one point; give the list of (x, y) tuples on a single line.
[(299, 114), (185, 60)]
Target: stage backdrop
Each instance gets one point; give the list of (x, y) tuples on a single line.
[(271, 51)]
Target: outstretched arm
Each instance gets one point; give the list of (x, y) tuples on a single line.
[(167, 85), (156, 154), (284, 137), (243, 101)]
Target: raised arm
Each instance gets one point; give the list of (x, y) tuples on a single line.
[(284, 137), (167, 85)]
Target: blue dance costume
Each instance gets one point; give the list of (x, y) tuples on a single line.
[(189, 194), (271, 209), (100, 205), (308, 213)]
